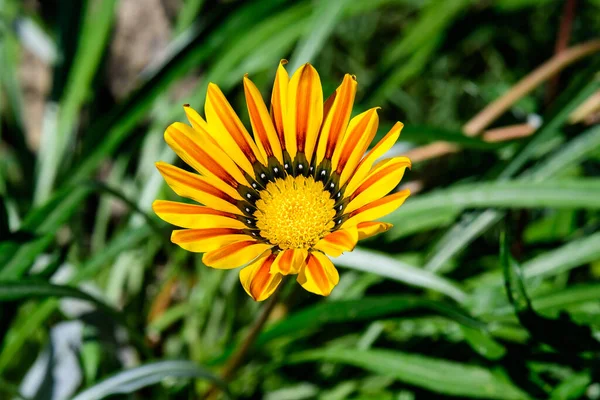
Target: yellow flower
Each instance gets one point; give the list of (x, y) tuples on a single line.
[(281, 201)]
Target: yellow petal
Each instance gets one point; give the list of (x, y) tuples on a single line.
[(376, 209), (371, 228), (262, 125), (335, 243), (304, 112), (235, 255), (365, 165), (257, 280), (356, 141), (279, 102), (289, 261), (198, 188), (205, 157), (203, 240), (194, 216), (380, 181), (227, 130), (319, 276), (197, 122), (336, 119)]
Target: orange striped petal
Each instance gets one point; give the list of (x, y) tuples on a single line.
[(386, 175), (204, 156), (336, 120), (235, 254), (279, 102), (356, 141), (335, 243), (365, 165), (304, 111), (198, 188), (319, 276), (376, 209), (289, 261), (194, 216), (371, 228), (204, 240), (257, 279), (227, 129), (262, 125)]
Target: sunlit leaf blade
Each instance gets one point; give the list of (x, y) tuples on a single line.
[(580, 193), (464, 232), (133, 379), (384, 265), (573, 254), (437, 375)]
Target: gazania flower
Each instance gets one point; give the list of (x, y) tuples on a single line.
[(284, 199)]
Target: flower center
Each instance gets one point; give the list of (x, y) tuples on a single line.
[(294, 212)]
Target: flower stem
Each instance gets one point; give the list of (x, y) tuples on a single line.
[(236, 360)]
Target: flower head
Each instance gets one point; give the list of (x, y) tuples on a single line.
[(280, 201)]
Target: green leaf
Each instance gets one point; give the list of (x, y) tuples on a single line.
[(563, 334), (436, 375), (133, 379), (31, 289), (92, 41), (47, 219), (586, 84), (551, 263), (4, 225), (9, 82), (557, 299), (406, 57), (419, 221), (197, 47), (28, 289), (573, 387), (580, 193), (312, 319), (44, 222), (465, 231), (19, 333), (188, 13), (364, 309), (482, 342), (324, 19), (384, 265)]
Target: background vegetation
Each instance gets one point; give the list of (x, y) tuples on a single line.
[(96, 302)]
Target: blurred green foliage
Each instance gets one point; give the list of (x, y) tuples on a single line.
[(96, 301)]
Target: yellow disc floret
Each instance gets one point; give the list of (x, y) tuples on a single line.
[(294, 213)]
